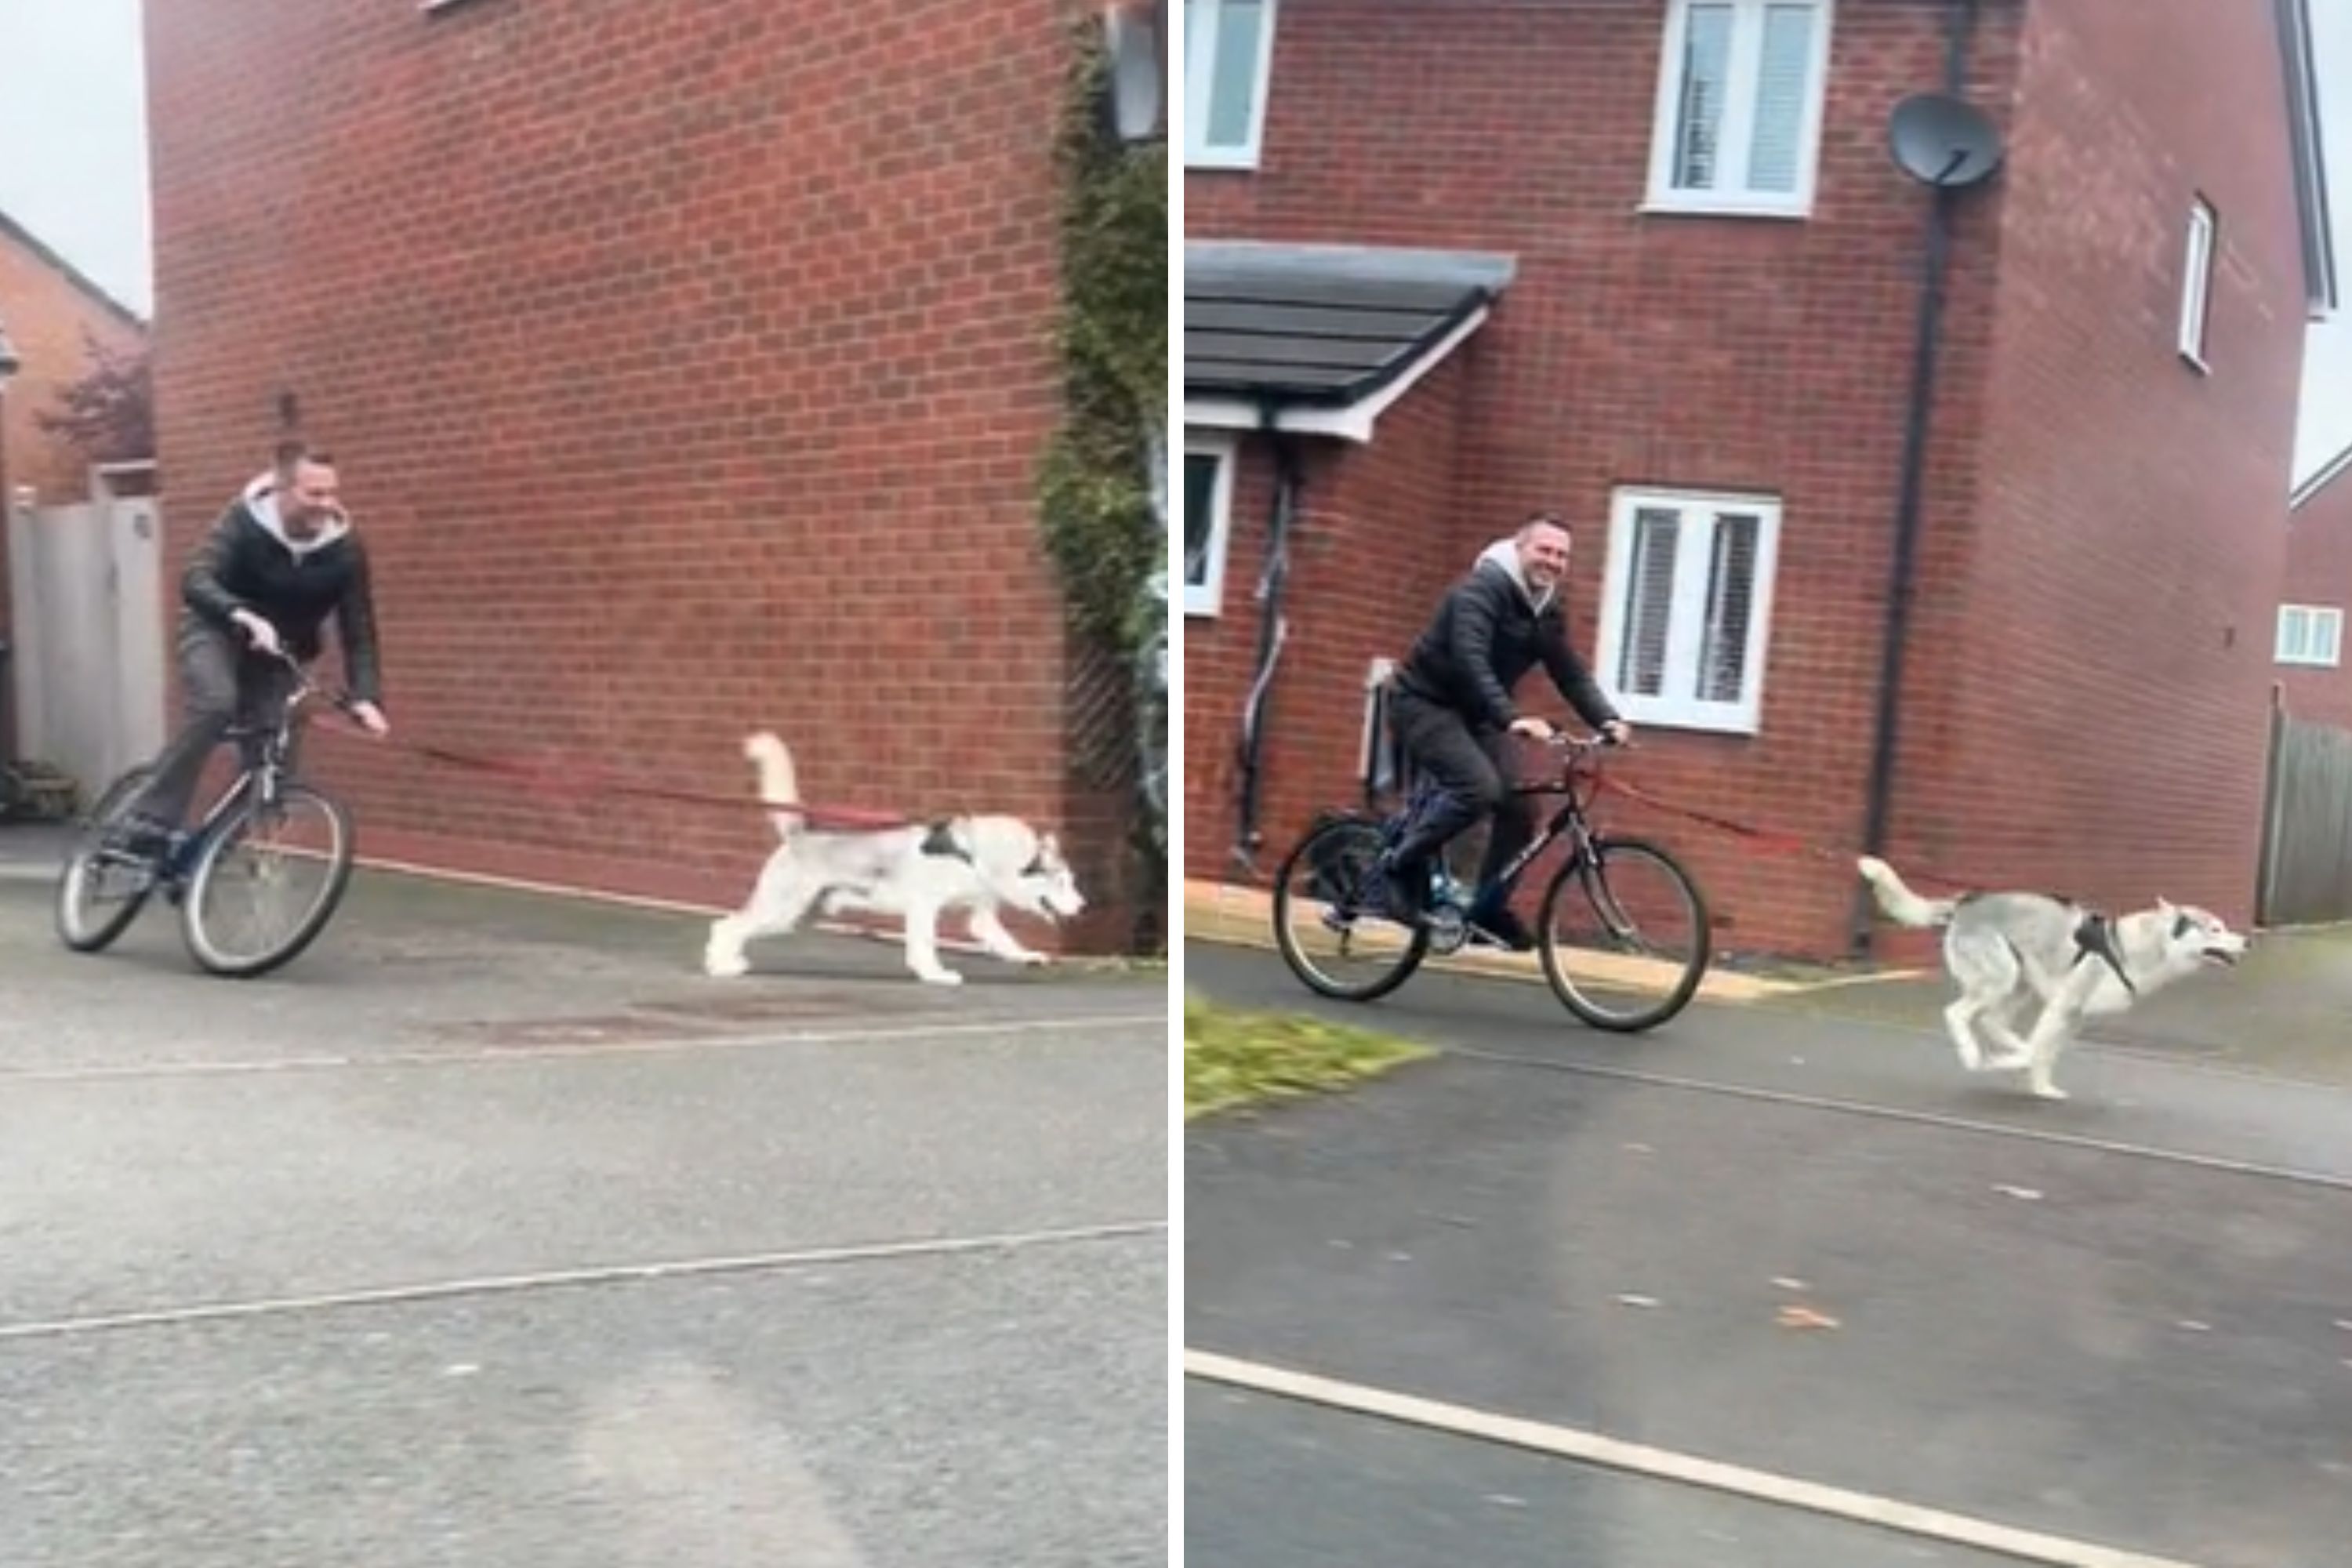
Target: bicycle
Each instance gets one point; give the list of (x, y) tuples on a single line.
[(1340, 852), (263, 806)]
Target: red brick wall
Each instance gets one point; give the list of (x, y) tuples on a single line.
[(45, 310), (1373, 545), (2084, 575), (689, 369), (2319, 572), (1669, 351), (2107, 736)]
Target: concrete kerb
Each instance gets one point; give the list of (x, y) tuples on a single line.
[(1237, 916)]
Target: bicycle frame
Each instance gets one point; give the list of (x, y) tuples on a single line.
[(265, 748), (1570, 821)]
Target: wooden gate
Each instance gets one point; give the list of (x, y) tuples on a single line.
[(2306, 871)]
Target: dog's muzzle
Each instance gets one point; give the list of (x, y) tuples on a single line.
[(2226, 957)]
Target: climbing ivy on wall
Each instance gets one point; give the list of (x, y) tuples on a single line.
[(1103, 486)]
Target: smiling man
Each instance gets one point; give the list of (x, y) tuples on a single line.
[(282, 559), (1453, 711)]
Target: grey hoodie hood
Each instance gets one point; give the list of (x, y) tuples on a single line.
[(1505, 553), (260, 499)]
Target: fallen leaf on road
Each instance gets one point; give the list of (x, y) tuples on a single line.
[(1503, 1500), (1637, 1301), (2027, 1195), (2344, 1323), (2193, 1326), (463, 1369), (1794, 1317), (1638, 1149), (1785, 1283)]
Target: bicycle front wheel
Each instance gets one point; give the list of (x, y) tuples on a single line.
[(266, 881), (101, 888), (1626, 936), (1331, 942)]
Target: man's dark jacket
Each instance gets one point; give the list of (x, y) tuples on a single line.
[(248, 563), (1485, 636)]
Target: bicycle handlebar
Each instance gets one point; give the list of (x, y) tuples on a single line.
[(305, 686)]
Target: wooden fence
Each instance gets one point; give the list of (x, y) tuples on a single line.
[(2306, 869)]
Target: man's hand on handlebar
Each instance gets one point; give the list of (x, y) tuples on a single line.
[(259, 635), (1616, 733)]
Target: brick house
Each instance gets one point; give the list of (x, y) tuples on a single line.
[(1649, 263), (689, 370), (2313, 680), (47, 308)]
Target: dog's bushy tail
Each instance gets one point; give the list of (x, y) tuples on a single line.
[(779, 787), (1901, 905)]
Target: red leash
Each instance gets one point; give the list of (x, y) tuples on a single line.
[(583, 781), (1764, 840)]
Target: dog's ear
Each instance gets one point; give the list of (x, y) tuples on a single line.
[(2181, 924)]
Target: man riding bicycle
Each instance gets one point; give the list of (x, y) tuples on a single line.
[(280, 560), (1452, 709)]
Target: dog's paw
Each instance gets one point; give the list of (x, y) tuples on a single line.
[(938, 977), (726, 966), (1032, 960), (2047, 1091), (2007, 1061)]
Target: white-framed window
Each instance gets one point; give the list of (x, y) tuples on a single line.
[(1686, 608), (1228, 63), (1208, 520), (2310, 634), (1740, 89), (2197, 281)]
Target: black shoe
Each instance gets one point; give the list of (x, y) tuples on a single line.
[(1394, 892), (148, 838), (1502, 928)]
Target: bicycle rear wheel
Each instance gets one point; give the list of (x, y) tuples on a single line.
[(1626, 935), (266, 881), (1326, 937), (101, 888)]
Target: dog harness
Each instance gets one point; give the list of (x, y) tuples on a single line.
[(941, 840), (2096, 936)]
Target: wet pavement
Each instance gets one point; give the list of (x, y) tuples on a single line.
[(491, 1232), (2124, 1321)]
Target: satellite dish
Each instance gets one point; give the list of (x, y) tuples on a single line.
[(1942, 141), (1137, 86)]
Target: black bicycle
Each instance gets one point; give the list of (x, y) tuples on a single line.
[(1625, 934), (268, 842)]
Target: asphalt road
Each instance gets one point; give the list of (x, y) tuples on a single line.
[(2120, 1320), (492, 1233)]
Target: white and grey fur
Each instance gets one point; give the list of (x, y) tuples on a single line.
[(2006, 950), (980, 864)]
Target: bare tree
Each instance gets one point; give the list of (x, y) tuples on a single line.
[(108, 415)]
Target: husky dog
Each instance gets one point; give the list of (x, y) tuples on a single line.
[(2003, 950), (976, 863)]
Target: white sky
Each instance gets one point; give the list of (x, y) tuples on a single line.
[(73, 168)]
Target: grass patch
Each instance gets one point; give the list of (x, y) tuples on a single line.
[(1235, 1059)]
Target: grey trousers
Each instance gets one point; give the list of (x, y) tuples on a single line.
[(224, 683)]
